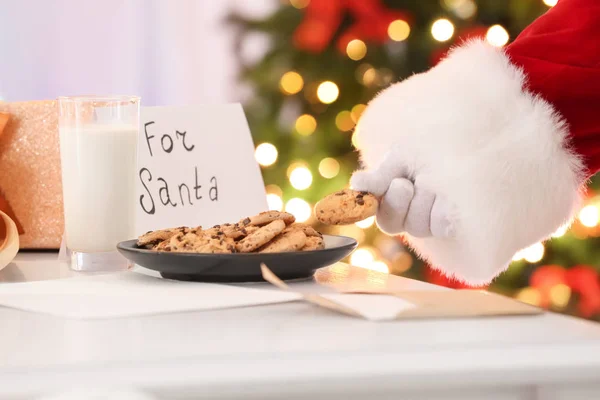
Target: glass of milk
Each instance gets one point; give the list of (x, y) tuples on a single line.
[(98, 149)]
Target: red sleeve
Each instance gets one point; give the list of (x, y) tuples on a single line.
[(560, 55)]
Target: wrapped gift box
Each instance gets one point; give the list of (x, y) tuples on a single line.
[(30, 176)]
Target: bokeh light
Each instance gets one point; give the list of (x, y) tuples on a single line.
[(355, 141), (534, 253), (560, 232), (356, 49), (497, 36), (369, 77), (357, 111), (291, 82), (300, 3), (295, 164), (301, 178), (275, 202), (442, 30), (265, 154), (362, 257), (398, 30), (352, 231), (462, 8), (329, 168), (589, 216), (378, 266), (306, 125), (529, 295), (550, 3), (366, 223), (274, 189), (560, 295), (344, 121), (327, 92), (299, 208)]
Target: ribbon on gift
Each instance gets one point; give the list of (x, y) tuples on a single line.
[(4, 206), (9, 247)]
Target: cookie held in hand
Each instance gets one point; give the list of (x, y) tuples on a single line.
[(346, 207)]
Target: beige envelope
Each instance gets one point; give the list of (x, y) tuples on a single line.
[(383, 299)]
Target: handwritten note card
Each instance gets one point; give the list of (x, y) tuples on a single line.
[(196, 166)]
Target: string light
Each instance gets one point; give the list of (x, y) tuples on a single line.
[(386, 76), (462, 8), (401, 263), (299, 4), (529, 295), (274, 189), (301, 178), (362, 257), (344, 121), (560, 295), (550, 3), (398, 30), (329, 168), (497, 36), (442, 30), (327, 92), (356, 49), (560, 232), (357, 111), (291, 82), (366, 223), (534, 253), (369, 77), (360, 71), (378, 266), (294, 165), (265, 154), (299, 208), (275, 202), (589, 216), (353, 232), (355, 142), (518, 256), (306, 125)]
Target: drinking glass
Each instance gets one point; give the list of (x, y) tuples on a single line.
[(98, 149)]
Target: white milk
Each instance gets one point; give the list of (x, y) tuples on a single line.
[(98, 172)]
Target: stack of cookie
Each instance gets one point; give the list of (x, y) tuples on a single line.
[(267, 232)]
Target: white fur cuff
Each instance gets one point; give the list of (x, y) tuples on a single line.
[(470, 133)]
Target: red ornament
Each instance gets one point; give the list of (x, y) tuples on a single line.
[(585, 281), (323, 18)]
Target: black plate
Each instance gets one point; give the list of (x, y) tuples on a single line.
[(238, 267)]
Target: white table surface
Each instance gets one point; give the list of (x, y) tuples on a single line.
[(293, 351)]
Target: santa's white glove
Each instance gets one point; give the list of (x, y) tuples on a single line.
[(404, 206), (469, 164)]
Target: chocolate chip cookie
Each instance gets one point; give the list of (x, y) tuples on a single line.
[(313, 243), (292, 240), (346, 207), (267, 217), (152, 238), (260, 237)]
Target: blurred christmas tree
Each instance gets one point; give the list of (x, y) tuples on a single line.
[(326, 59)]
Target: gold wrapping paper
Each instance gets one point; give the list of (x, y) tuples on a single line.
[(30, 178)]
